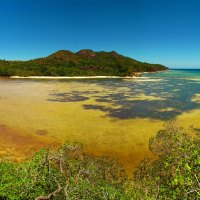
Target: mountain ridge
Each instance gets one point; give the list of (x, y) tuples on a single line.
[(85, 62)]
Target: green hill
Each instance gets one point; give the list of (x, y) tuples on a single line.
[(83, 63)]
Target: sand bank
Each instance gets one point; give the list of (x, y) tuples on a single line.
[(72, 77)]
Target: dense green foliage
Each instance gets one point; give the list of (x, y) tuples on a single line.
[(68, 173), (175, 174), (82, 63)]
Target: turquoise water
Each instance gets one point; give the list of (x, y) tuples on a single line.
[(108, 116), (174, 89), (177, 73), (161, 96)]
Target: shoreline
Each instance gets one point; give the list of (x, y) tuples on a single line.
[(73, 77), (137, 75), (156, 72)]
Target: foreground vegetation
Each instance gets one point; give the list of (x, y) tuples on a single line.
[(82, 63), (68, 173)]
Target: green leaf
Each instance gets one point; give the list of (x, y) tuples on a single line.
[(188, 167)]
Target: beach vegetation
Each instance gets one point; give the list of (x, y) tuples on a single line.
[(67, 172)]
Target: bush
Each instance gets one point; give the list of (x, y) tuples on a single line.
[(175, 173), (67, 172), (63, 173)]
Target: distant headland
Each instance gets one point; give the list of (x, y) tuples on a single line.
[(82, 63)]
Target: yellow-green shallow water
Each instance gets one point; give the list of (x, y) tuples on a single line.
[(34, 113)]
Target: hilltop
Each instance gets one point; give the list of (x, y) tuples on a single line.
[(82, 63)]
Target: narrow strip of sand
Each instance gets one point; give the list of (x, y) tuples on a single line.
[(73, 77)]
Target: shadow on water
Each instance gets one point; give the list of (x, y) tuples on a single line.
[(123, 95), (67, 97)]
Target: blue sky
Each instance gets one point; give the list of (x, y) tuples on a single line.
[(156, 31)]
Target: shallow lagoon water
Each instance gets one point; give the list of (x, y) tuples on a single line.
[(113, 117)]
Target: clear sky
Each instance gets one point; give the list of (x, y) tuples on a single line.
[(156, 31)]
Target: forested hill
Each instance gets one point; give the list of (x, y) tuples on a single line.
[(82, 63)]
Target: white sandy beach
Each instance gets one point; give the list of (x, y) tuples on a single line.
[(72, 77)]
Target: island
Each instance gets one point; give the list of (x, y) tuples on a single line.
[(85, 62)]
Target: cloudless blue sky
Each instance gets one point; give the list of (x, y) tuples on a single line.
[(155, 31)]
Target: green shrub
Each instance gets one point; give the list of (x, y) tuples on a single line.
[(63, 173), (67, 172), (175, 173)]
